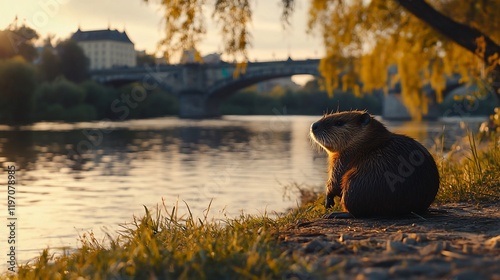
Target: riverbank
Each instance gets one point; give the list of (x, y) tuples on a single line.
[(458, 238), (454, 241)]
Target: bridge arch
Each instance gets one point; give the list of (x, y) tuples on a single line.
[(226, 87)]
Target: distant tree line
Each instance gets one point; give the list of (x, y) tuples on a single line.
[(54, 85), (310, 100)]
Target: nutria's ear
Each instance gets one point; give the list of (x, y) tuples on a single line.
[(365, 119)]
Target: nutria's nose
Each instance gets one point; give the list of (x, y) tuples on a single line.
[(314, 126)]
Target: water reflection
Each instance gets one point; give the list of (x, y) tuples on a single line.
[(238, 163), (438, 136), (17, 146)]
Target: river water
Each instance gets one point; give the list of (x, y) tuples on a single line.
[(73, 178)]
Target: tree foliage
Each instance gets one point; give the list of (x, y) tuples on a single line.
[(74, 65), (49, 66), (379, 33), (184, 25), (363, 38), (18, 41), (145, 59), (17, 86), (308, 101)]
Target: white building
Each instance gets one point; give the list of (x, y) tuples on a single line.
[(106, 48)]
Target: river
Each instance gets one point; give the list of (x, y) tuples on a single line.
[(74, 178)]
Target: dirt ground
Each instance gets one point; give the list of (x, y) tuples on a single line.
[(453, 241)]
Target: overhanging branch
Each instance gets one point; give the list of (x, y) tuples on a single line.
[(464, 35)]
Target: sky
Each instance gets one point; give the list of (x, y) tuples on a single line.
[(142, 22)]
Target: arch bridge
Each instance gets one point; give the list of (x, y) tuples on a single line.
[(201, 88)]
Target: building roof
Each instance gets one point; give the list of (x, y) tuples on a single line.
[(100, 35)]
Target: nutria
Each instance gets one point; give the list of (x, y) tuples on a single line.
[(374, 171)]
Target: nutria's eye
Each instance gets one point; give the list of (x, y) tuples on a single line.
[(338, 123)]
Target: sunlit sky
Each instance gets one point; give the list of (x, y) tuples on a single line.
[(142, 22)]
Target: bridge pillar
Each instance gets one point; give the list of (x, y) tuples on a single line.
[(394, 109), (194, 104)]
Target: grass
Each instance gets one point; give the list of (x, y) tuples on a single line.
[(473, 178), (164, 245)]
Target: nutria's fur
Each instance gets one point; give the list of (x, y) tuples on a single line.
[(374, 171)]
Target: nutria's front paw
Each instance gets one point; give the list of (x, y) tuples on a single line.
[(329, 203), (338, 215)]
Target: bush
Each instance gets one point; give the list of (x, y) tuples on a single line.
[(80, 113), (52, 112), (62, 100), (67, 94), (158, 104), (17, 86), (99, 97)]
